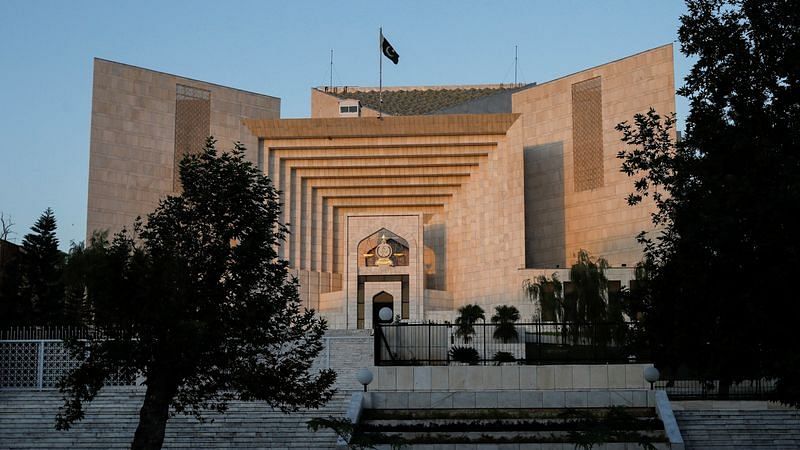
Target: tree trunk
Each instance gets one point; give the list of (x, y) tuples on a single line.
[(153, 416)]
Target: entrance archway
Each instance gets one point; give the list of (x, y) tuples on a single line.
[(382, 300)]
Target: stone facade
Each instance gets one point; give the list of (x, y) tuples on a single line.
[(564, 219), (132, 150), (482, 201)]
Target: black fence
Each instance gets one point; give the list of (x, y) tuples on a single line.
[(757, 389), (49, 332), (492, 344)]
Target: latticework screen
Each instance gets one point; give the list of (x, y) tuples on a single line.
[(192, 124), (587, 134)]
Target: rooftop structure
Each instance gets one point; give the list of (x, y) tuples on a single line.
[(424, 100)]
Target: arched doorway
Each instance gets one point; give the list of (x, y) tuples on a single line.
[(382, 300)]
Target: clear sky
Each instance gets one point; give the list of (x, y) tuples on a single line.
[(280, 48)]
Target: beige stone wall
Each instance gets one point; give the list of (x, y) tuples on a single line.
[(599, 220), (329, 168), (493, 196), (131, 152)]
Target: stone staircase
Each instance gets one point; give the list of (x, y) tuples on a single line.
[(739, 429), (27, 422)]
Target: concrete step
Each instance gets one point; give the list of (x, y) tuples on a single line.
[(27, 421), (756, 429)]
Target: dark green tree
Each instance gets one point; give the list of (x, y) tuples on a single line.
[(590, 300), (467, 316), (33, 291), (549, 293), (726, 198), (198, 303), (504, 319)]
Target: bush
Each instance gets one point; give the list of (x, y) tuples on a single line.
[(504, 357), (464, 355)]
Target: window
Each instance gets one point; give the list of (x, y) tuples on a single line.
[(349, 108)]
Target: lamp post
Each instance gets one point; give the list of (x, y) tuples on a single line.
[(651, 375), (364, 376), (385, 314)]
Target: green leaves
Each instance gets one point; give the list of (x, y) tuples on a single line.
[(725, 196), (196, 299), (504, 317), (467, 316)]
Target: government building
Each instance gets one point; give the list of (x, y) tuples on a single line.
[(456, 195)]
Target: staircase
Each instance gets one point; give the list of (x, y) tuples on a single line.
[(729, 429), (27, 422)]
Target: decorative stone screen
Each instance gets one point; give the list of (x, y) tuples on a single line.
[(192, 124), (587, 134)]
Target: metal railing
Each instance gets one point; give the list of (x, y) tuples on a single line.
[(35, 332), (756, 389), (39, 364), (32, 363), (521, 343)]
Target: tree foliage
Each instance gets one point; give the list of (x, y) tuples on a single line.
[(726, 197), (590, 298), (467, 316), (32, 288), (197, 301), (549, 293), (504, 318)]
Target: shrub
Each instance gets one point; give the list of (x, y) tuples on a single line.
[(464, 355), (504, 357)]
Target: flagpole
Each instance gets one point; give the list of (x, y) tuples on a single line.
[(380, 72)]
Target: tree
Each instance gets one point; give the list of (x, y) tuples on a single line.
[(6, 229), (33, 289), (588, 278), (726, 197), (467, 316), (197, 301), (585, 306), (505, 317), (549, 294), (8, 279)]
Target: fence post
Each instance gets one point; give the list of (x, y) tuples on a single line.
[(40, 366), (430, 328), (484, 342), (538, 343)]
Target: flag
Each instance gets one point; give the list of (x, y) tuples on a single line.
[(388, 50)]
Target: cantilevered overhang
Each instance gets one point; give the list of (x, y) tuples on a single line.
[(328, 167)]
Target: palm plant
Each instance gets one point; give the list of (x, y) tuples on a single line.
[(467, 316), (504, 318), (464, 355)]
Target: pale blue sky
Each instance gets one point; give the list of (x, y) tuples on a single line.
[(279, 48)]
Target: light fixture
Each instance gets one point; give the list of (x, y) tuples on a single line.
[(385, 314), (651, 375), (364, 376)]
